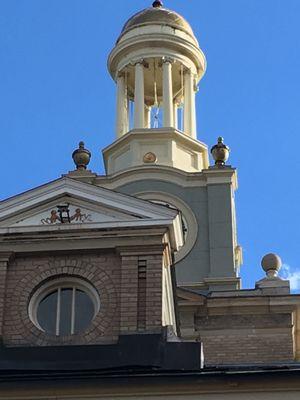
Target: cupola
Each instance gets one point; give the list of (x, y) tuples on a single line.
[(157, 64)]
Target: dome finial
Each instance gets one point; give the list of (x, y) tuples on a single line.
[(157, 4)]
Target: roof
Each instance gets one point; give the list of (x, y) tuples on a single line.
[(158, 16)]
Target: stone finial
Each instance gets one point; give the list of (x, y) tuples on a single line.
[(157, 4), (272, 284), (271, 264), (220, 152), (81, 157)]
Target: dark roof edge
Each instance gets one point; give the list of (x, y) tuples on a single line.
[(137, 373)]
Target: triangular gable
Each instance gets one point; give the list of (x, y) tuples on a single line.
[(79, 212), (86, 203)]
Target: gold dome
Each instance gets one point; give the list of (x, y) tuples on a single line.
[(158, 16)]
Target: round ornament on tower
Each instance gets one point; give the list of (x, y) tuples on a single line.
[(149, 158)]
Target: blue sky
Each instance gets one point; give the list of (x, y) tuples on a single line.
[(55, 90)]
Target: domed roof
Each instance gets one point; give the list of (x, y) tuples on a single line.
[(158, 15)]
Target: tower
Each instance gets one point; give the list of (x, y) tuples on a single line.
[(89, 303), (157, 64)]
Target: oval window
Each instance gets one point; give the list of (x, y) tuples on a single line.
[(63, 307)]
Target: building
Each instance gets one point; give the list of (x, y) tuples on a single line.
[(127, 285)]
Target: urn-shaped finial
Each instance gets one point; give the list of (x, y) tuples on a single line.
[(81, 156), (220, 152)]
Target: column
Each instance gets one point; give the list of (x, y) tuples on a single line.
[(189, 105), (139, 112), (122, 120), (147, 117), (127, 113), (168, 93), (175, 115)]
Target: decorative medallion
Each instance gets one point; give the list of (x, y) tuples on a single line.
[(149, 158), (62, 216)]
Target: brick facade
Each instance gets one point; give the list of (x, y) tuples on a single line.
[(26, 274), (154, 293), (129, 288), (141, 292), (246, 339), (129, 284)]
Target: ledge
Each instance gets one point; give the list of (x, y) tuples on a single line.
[(138, 351)]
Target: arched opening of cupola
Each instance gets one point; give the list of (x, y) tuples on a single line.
[(156, 92)]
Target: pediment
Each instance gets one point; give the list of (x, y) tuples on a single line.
[(67, 210), (67, 201)]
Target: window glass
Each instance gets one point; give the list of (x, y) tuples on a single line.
[(84, 311), (46, 313), (65, 311)]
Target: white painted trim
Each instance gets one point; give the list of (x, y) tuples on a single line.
[(168, 142), (192, 143), (147, 214), (88, 192), (88, 226), (143, 43), (216, 176), (166, 174), (160, 173)]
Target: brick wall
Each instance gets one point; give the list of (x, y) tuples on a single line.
[(245, 339), (154, 293), (129, 288), (141, 293), (24, 275)]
